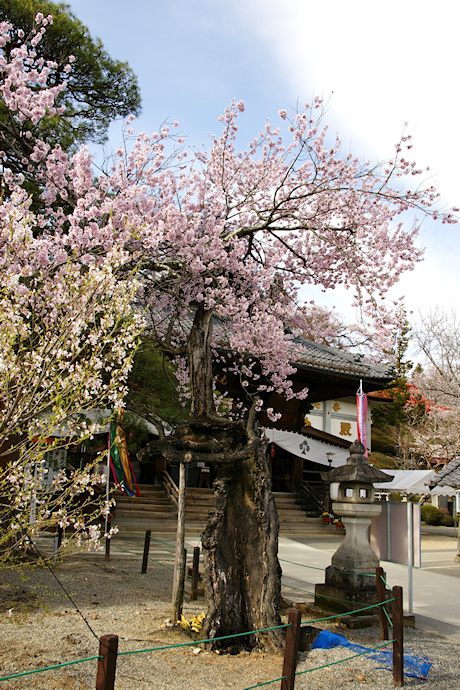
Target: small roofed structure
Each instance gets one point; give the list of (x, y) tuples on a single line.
[(449, 476), (349, 578), (416, 482)]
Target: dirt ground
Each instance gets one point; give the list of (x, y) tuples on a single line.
[(50, 616)]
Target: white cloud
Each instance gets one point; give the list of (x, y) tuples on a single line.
[(386, 64)]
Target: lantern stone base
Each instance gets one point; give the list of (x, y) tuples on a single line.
[(350, 579), (343, 591)]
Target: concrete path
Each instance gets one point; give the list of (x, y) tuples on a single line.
[(436, 595)]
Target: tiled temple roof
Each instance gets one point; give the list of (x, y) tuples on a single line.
[(315, 357), (321, 357), (449, 475)]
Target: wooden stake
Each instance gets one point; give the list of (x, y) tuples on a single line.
[(179, 570), (107, 542), (145, 558), (195, 573), (58, 542), (291, 650), (457, 557), (398, 644), (106, 666), (381, 593)]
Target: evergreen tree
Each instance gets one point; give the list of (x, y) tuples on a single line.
[(98, 88), (392, 423)]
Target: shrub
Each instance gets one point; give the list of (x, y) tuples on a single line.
[(447, 521), (431, 515), (381, 460)]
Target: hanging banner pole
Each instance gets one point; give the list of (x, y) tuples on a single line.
[(410, 553), (107, 481), (361, 415)]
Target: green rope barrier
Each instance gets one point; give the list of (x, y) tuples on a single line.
[(150, 558), (211, 639), (326, 596), (306, 591), (166, 543), (312, 567), (344, 572), (340, 661), (267, 682), (323, 596), (385, 582), (50, 668), (390, 622), (342, 613), (140, 534)]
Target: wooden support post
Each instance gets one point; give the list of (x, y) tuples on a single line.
[(107, 542), (291, 650), (183, 583), (180, 560), (398, 644), (195, 573), (145, 558), (107, 664), (381, 593), (58, 542)]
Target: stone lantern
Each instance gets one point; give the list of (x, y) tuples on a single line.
[(350, 579)]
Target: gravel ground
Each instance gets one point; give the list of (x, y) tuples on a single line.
[(40, 626)]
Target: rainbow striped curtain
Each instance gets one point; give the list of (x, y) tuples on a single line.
[(122, 470)]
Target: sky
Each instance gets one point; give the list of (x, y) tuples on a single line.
[(378, 65)]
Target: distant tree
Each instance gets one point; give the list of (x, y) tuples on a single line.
[(399, 349), (437, 335), (423, 419), (152, 386), (98, 88), (391, 421), (435, 439)]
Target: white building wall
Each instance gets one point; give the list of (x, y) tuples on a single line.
[(339, 418)]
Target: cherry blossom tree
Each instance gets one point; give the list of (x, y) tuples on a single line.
[(235, 236), (67, 332), (223, 240)]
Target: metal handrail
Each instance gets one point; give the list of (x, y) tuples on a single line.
[(307, 489)]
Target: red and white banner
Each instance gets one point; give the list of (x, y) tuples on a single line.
[(361, 406)]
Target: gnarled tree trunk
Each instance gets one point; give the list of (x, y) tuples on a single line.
[(199, 360), (240, 543), (242, 576)]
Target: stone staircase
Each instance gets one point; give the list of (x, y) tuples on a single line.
[(154, 510)]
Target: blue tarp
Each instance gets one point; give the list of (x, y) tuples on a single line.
[(414, 667)]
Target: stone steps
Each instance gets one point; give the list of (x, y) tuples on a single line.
[(153, 510)]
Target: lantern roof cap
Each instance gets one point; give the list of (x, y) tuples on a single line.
[(357, 469)]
